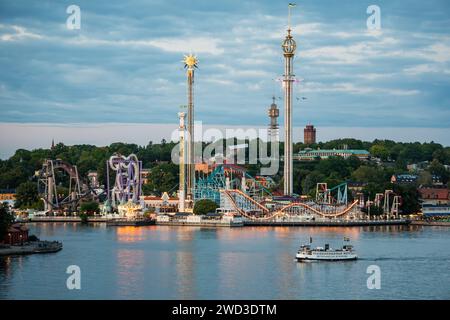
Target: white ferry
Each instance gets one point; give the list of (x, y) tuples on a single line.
[(326, 253)]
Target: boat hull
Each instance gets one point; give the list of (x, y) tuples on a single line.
[(302, 257)]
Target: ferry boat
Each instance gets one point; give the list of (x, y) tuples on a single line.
[(326, 253)]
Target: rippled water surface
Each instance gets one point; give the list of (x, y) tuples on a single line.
[(163, 262)]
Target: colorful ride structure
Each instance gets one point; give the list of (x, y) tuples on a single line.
[(54, 175), (238, 193), (389, 201), (127, 182), (228, 176)]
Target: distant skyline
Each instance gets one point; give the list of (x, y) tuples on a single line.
[(124, 64)]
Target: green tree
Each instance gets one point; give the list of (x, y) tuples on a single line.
[(438, 169), (379, 151), (27, 195), (368, 174), (425, 178), (162, 178), (374, 210), (410, 198), (309, 183), (442, 155), (89, 207), (6, 219), (205, 206)]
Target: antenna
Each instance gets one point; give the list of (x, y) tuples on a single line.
[(290, 5)]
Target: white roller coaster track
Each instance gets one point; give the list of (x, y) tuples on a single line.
[(232, 194)]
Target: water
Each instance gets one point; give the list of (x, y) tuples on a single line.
[(164, 262)]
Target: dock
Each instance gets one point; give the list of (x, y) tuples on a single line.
[(31, 248), (209, 224), (65, 219), (332, 223), (431, 223), (130, 222)]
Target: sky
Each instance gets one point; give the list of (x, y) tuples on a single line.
[(123, 67)]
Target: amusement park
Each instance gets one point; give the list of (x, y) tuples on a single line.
[(238, 196)]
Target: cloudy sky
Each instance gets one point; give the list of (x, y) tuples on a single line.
[(124, 64)]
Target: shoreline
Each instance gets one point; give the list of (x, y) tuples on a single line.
[(350, 223), (431, 223)]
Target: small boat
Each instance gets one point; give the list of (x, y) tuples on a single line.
[(326, 253)]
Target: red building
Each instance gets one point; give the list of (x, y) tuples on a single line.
[(434, 196), (17, 234), (309, 134)]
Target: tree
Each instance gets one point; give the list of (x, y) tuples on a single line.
[(309, 183), (379, 151), (425, 178), (205, 206), (6, 219), (368, 174), (27, 195), (89, 207), (438, 169), (442, 155), (410, 198), (162, 178), (373, 210)]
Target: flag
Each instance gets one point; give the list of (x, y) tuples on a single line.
[(292, 4)]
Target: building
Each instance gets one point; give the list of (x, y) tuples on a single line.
[(161, 204), (434, 196), (204, 168), (412, 179), (309, 134), (8, 196), (404, 178), (417, 167), (273, 113), (435, 201), (145, 174), (17, 234), (310, 154)]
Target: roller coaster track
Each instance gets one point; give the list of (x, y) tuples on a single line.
[(233, 194), (329, 215), (229, 194)]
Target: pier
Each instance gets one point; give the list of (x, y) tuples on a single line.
[(331, 223), (31, 248)]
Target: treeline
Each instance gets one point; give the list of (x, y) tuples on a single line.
[(22, 166), (394, 157)]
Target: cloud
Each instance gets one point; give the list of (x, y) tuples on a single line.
[(426, 68), (19, 33), (351, 88), (124, 65)]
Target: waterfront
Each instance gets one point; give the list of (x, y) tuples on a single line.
[(168, 262)]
